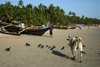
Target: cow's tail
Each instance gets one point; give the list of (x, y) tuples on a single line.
[(82, 52)]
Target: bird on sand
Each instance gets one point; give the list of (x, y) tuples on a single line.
[(62, 48), (49, 47), (42, 46), (54, 46), (28, 44), (46, 45), (83, 45), (8, 49), (39, 45)]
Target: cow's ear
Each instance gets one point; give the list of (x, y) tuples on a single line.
[(80, 39), (69, 36)]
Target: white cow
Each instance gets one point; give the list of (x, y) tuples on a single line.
[(75, 42)]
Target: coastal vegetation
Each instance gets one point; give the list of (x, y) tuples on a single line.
[(40, 14)]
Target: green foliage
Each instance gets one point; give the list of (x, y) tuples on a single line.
[(57, 24), (30, 14)]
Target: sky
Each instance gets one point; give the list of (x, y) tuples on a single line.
[(88, 8)]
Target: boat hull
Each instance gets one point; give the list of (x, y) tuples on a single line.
[(13, 29), (35, 31), (3, 24), (57, 27), (72, 27)]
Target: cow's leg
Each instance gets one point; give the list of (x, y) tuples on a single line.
[(81, 57), (73, 53), (81, 53)]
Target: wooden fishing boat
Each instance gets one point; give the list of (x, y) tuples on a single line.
[(3, 24), (35, 31), (20, 30), (13, 28), (9, 29), (72, 27), (63, 28), (58, 27)]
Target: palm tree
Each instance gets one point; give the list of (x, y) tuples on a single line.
[(40, 7), (1, 11), (69, 13), (8, 13), (29, 6), (73, 14), (86, 20), (51, 8), (44, 9), (62, 11), (20, 3), (82, 20), (40, 14), (57, 9)]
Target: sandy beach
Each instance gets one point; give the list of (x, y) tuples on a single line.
[(33, 56)]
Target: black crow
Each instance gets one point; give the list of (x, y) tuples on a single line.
[(49, 47), (42, 46), (54, 46), (28, 44), (46, 45), (39, 45), (62, 48), (84, 46), (8, 49)]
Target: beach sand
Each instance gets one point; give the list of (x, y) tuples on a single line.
[(33, 56)]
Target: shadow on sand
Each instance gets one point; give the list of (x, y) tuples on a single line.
[(99, 53), (45, 35), (62, 55)]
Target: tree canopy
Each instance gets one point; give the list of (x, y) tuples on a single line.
[(40, 14)]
